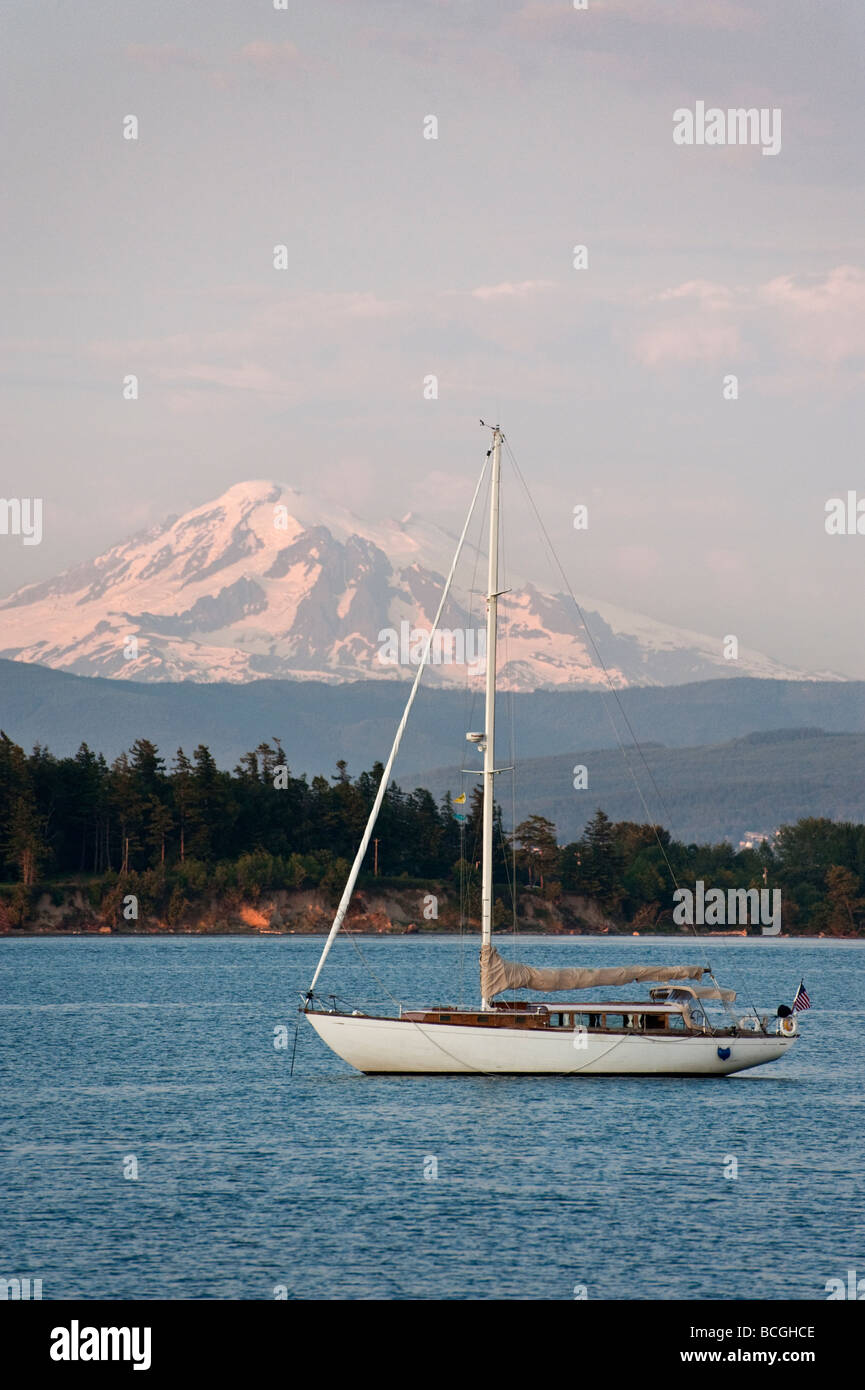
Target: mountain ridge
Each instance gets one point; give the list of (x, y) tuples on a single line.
[(714, 791), (265, 581), (319, 723)]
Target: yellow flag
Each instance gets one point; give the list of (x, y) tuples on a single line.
[(458, 800)]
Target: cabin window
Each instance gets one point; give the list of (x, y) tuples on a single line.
[(594, 1020), (444, 1018), (615, 1020)]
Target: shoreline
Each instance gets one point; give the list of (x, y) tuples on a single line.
[(716, 938)]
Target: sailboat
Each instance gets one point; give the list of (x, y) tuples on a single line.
[(669, 1033)]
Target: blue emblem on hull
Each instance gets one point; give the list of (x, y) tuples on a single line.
[(723, 1053)]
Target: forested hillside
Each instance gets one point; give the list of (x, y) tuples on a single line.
[(171, 833)]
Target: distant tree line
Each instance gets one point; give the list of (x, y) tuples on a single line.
[(175, 832), (629, 870)]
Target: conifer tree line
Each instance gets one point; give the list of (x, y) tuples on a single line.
[(186, 826), (80, 815)]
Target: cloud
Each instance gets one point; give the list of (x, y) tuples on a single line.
[(816, 318), (512, 290), (292, 346), (823, 317), (454, 46), (729, 565), (271, 57), (543, 19), (704, 14), (278, 350), (636, 562), (163, 55), (689, 340), (709, 295), (700, 330), (259, 57), (247, 376)]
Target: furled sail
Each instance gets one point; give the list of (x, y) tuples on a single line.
[(498, 975)]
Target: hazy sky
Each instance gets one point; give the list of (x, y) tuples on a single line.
[(410, 256)]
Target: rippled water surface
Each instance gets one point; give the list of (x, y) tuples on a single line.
[(249, 1178)]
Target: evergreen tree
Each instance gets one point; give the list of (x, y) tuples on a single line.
[(211, 808), (88, 807), (181, 786), (23, 841), (844, 906), (601, 861), (538, 852)]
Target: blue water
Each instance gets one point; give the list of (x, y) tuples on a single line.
[(249, 1179)]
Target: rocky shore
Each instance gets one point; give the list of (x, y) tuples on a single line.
[(302, 913)]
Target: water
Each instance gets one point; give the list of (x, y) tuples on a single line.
[(249, 1179)]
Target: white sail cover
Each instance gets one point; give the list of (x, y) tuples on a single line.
[(715, 992), (497, 975)]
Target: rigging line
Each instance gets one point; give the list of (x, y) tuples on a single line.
[(552, 552), (382, 787), (503, 843), (479, 1071), (294, 1049), (514, 851), (469, 700), (382, 986), (608, 678), (462, 901), (510, 878), (513, 846), (512, 751), (610, 1049)]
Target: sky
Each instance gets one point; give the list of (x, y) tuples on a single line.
[(409, 257)]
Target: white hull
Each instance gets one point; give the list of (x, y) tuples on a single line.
[(401, 1046)]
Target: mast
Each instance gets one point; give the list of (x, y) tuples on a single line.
[(490, 706)]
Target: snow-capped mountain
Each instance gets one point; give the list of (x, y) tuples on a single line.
[(264, 581)]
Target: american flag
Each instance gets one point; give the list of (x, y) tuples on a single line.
[(802, 1000)]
